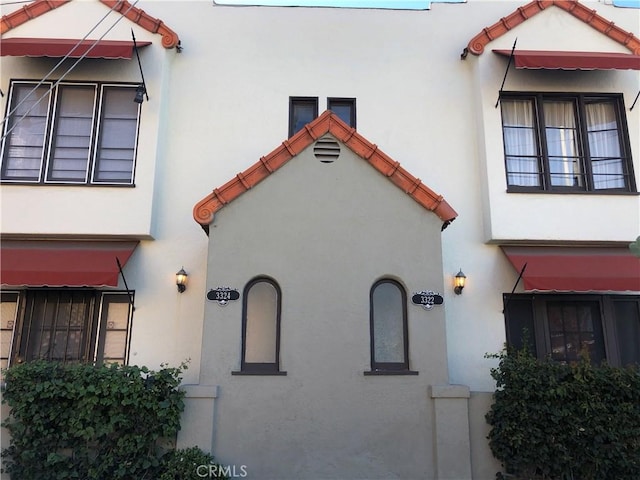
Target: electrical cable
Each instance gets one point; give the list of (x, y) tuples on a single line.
[(57, 82), (60, 62)]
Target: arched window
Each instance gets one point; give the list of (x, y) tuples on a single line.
[(261, 327), (389, 331)]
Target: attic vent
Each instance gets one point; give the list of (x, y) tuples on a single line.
[(326, 149)]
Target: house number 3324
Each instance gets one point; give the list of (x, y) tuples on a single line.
[(223, 295)]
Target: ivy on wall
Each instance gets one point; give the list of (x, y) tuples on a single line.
[(557, 421), (87, 422)]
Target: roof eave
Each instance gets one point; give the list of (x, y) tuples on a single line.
[(170, 38), (205, 209), (574, 7)]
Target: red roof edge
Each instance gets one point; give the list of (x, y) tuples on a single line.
[(574, 7), (328, 122), (39, 7)]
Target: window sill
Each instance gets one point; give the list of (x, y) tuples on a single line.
[(389, 372), (572, 192), (258, 373), (67, 184)]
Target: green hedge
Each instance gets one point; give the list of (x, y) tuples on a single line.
[(558, 421), (88, 422)]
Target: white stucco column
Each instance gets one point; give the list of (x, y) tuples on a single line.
[(196, 426), (451, 433)]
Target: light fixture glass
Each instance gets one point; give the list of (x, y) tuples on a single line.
[(458, 282), (181, 280)]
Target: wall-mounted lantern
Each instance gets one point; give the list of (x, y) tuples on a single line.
[(459, 281), (181, 280)]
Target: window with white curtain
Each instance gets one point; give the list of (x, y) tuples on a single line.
[(261, 328), (72, 133), (388, 327), (560, 142)]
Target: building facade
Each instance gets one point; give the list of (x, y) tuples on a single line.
[(381, 152)]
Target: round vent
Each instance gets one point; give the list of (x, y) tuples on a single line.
[(326, 149)]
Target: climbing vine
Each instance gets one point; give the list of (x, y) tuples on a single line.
[(565, 421), (89, 422)]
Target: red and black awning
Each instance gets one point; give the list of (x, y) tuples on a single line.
[(74, 48), (576, 269), (566, 60), (36, 263)]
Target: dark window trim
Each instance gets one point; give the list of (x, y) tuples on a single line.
[(580, 100), (127, 297), (351, 102), (390, 368), (49, 137), (293, 101), (96, 329), (254, 368), (384, 373), (249, 373), (539, 340)]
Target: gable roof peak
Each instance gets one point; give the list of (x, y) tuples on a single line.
[(327, 123), (140, 17), (574, 7)]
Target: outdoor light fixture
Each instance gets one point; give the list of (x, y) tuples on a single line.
[(458, 282), (181, 280)]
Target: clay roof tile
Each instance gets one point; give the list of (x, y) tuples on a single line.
[(574, 7), (140, 17), (328, 122)]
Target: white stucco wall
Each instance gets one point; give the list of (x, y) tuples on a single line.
[(543, 218), (222, 103), (96, 211)]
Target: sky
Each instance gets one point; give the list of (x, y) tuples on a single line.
[(391, 4), (627, 3)]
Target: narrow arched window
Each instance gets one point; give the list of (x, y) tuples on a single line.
[(261, 326), (389, 331)]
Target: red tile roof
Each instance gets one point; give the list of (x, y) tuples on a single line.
[(39, 7), (574, 7), (328, 122)]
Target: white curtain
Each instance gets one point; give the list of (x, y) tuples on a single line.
[(25, 143), (261, 324), (388, 324), (562, 147), (118, 132), (521, 149), (69, 158), (604, 146)]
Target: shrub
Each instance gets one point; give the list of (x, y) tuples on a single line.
[(88, 422), (558, 421), (183, 464)]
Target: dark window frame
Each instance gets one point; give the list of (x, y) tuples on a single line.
[(50, 136), (534, 307), (95, 324), (350, 102), (389, 368), (579, 100), (260, 368), (295, 102)]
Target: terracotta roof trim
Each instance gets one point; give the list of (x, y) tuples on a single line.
[(574, 7), (140, 17), (205, 209)]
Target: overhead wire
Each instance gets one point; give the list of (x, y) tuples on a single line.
[(45, 78), (55, 84)]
